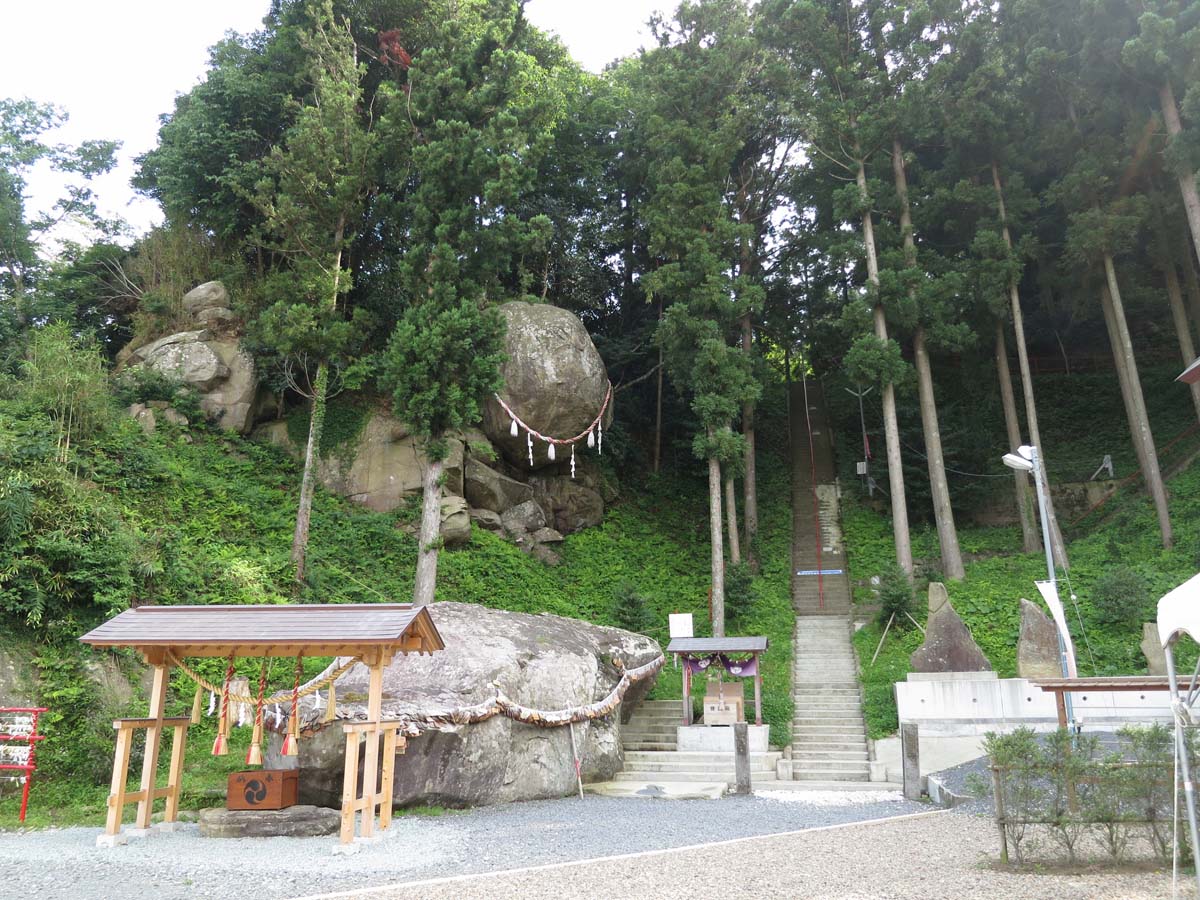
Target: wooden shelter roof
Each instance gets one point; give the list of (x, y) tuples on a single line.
[(272, 630), (717, 645)]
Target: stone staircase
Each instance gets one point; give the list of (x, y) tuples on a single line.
[(649, 741), (829, 739)]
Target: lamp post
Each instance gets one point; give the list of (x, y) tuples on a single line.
[(1027, 459)]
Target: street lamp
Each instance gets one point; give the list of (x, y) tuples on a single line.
[(1027, 459)]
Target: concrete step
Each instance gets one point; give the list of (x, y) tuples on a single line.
[(701, 756), (822, 721), (830, 775), (804, 754), (702, 776), (641, 728), (819, 733), (647, 745)]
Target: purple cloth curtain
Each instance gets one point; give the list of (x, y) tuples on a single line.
[(741, 668)]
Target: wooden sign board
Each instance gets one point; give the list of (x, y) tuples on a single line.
[(263, 789)]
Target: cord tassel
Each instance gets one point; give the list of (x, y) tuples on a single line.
[(331, 706), (197, 700), (291, 743), (221, 744)]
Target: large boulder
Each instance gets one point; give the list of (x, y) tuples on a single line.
[(569, 505), (1037, 647), (554, 379), (948, 646), (542, 661), (215, 367), (485, 488), (210, 295), (380, 468)]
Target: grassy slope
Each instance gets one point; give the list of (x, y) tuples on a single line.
[(219, 510), (1085, 426)]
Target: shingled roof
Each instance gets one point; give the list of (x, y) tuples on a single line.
[(272, 630)]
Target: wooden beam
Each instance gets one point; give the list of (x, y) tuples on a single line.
[(349, 787), (385, 786), (158, 701), (363, 727), (146, 723), (175, 773), (120, 774), (371, 763), (139, 796)]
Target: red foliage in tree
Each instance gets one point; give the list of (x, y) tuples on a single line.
[(390, 51)]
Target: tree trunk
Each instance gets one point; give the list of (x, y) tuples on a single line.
[(891, 428), (1057, 545), (1030, 539), (718, 549), (735, 548), (316, 424), (750, 473), (943, 514), (1192, 281), (658, 402), (1187, 350), (1110, 324), (1140, 422), (1187, 177), (429, 539)]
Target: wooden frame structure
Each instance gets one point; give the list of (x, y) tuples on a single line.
[(695, 648), (373, 633), (1060, 687)]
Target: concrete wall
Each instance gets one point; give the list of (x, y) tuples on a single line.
[(965, 706)]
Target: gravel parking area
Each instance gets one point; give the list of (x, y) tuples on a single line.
[(66, 863), (940, 854)]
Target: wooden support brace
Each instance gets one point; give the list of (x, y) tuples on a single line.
[(158, 701), (349, 788), (389, 772), (175, 775), (120, 774)]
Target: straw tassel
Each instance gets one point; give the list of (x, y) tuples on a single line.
[(331, 706), (221, 744), (291, 743), (254, 755), (197, 700)]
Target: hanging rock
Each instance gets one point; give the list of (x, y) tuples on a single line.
[(210, 295), (541, 661), (1156, 657), (1037, 647), (554, 379), (948, 646)]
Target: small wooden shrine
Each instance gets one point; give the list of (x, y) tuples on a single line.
[(738, 656), (165, 635)]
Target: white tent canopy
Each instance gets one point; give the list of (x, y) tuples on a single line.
[(1179, 611)]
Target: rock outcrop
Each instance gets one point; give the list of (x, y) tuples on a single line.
[(209, 359), (948, 646), (542, 661), (1037, 647), (554, 379)]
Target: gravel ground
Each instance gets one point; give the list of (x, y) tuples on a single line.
[(931, 855), (66, 862)]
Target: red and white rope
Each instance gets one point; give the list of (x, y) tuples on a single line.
[(560, 441)]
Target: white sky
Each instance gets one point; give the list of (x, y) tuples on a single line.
[(116, 66)]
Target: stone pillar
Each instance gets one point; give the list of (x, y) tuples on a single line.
[(910, 750), (741, 758)]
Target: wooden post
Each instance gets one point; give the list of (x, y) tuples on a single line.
[(1060, 700), (370, 787), (998, 794), (757, 690), (389, 774), (120, 774), (687, 693), (158, 700), (349, 787), (175, 776)]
